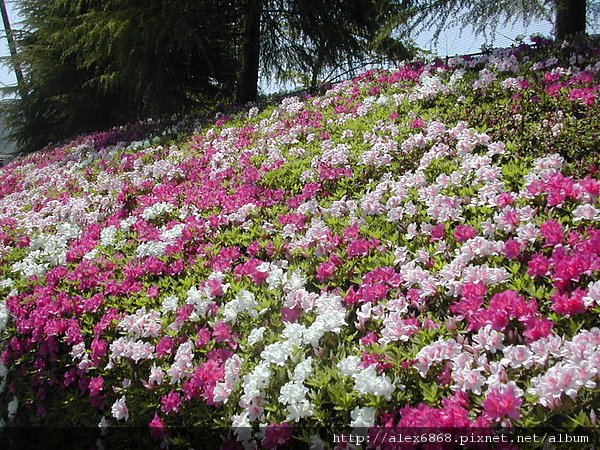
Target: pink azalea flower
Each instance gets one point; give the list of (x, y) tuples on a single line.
[(463, 233), (512, 249), (538, 265), (96, 385), (503, 401), (537, 328), (157, 427), (358, 247), (569, 304), (171, 402), (290, 315), (164, 346), (277, 435), (438, 232), (370, 338), (325, 270), (221, 332), (552, 232), (152, 292)]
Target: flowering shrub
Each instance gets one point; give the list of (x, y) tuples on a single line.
[(414, 248)]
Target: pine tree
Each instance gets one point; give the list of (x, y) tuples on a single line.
[(311, 37), (92, 64)]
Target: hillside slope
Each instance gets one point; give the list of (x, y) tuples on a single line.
[(414, 248)]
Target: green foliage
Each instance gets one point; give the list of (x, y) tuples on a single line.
[(92, 65), (313, 40)]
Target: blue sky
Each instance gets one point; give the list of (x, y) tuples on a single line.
[(451, 42), (7, 76)]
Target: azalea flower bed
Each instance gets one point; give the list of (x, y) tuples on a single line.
[(415, 248)]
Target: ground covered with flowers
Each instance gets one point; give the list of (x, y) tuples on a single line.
[(414, 248)]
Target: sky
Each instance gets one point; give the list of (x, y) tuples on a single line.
[(7, 75), (453, 41)]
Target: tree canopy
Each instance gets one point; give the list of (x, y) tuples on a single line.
[(484, 16), (91, 64)]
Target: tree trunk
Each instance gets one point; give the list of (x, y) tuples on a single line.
[(13, 49), (248, 84), (570, 17)]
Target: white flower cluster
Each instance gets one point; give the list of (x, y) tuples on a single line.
[(108, 236), (119, 409), (200, 299), (157, 210), (366, 381), (578, 368), (333, 154), (223, 389), (141, 324), (429, 87), (488, 339), (279, 352), (151, 248), (586, 212), (47, 251), (592, 297), (505, 64), (157, 375), (4, 315), (293, 393), (316, 235), (486, 77), (244, 301), (242, 214), (162, 169), (256, 335), (169, 304), (173, 233), (331, 317), (435, 352), (158, 248), (135, 350), (363, 417), (394, 327), (254, 384), (182, 367), (465, 376)]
